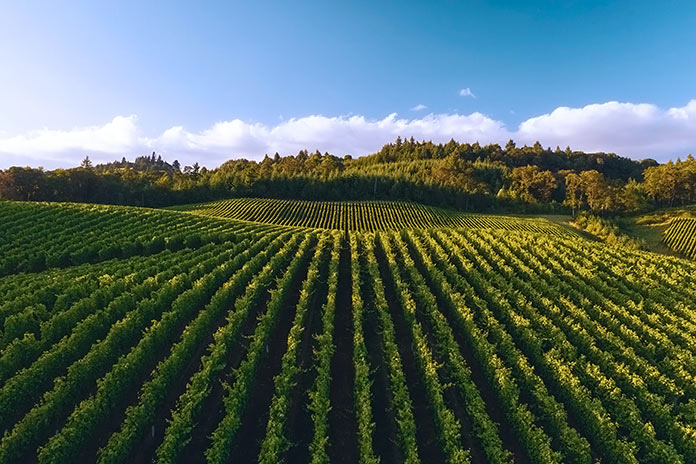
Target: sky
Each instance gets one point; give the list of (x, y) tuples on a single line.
[(209, 81)]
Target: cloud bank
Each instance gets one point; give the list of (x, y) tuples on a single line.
[(629, 129)]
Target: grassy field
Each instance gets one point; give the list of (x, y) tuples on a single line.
[(279, 331)]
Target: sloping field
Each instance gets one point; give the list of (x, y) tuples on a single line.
[(240, 342), (361, 215), (681, 236), (36, 236)]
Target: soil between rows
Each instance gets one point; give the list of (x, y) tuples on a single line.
[(343, 428)]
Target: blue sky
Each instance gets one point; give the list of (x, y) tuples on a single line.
[(209, 81)]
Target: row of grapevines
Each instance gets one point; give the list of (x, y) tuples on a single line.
[(681, 236), (547, 410), (521, 320), (167, 372), (67, 312), (37, 423), (275, 443), (628, 409), (21, 391), (235, 401), (35, 426), (445, 421), (634, 324), (189, 405), (21, 352), (320, 401), (400, 398), (362, 385), (621, 364), (60, 235), (360, 215), (535, 441), (641, 310), (485, 429), (77, 328), (596, 423)]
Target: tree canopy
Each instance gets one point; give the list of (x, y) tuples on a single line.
[(460, 175)]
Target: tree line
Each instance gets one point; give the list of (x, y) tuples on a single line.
[(460, 175)]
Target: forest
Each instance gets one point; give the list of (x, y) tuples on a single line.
[(460, 175)]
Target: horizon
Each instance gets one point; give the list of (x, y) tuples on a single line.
[(171, 161), (227, 81)]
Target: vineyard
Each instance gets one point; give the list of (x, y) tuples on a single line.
[(378, 333), (680, 236), (368, 216)]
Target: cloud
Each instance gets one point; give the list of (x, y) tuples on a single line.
[(638, 130), (633, 129), (113, 138), (340, 135), (467, 93), (419, 107)]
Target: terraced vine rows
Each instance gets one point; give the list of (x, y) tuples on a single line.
[(270, 344), (360, 215), (680, 236)]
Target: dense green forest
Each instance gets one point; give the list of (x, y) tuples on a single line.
[(461, 175)]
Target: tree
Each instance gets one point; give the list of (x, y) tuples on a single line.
[(21, 184), (599, 193), (86, 163), (532, 184), (632, 196), (574, 192), (455, 173), (671, 182)]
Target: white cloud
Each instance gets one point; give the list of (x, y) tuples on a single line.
[(467, 93), (419, 107), (638, 130), (113, 138), (629, 129)]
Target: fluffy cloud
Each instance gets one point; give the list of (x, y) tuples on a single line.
[(625, 128), (467, 93), (419, 107), (637, 130), (58, 147)]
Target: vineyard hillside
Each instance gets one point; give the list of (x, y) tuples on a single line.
[(362, 215), (680, 236), (374, 333), (669, 230)]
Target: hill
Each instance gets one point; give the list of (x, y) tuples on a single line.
[(361, 216), (133, 335), (464, 176)]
